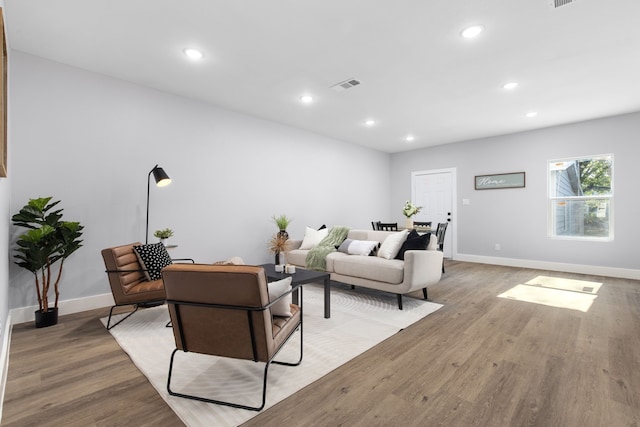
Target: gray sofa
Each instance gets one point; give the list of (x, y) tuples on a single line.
[(418, 270)]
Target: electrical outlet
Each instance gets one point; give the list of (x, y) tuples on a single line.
[(497, 246)]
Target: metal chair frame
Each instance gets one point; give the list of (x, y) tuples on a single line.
[(138, 304), (249, 310)]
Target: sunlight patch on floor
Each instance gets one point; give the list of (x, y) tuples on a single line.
[(565, 284), (556, 292)]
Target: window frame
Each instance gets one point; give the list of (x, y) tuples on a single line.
[(552, 201)]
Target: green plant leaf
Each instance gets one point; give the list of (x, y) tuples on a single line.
[(39, 203)]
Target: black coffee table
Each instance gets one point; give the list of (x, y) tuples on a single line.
[(303, 276)]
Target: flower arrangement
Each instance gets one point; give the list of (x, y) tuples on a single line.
[(410, 209), (279, 243), (163, 234)]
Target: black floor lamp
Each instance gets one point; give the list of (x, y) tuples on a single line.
[(162, 180)]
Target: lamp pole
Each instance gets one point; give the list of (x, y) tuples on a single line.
[(162, 179)]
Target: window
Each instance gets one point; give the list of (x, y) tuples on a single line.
[(581, 197)]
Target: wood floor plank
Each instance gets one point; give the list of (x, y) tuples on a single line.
[(480, 360)]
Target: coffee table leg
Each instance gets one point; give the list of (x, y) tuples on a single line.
[(294, 297), (327, 298)]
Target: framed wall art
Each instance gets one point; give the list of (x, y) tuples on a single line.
[(500, 180)]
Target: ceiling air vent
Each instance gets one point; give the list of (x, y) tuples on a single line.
[(347, 84), (557, 3)]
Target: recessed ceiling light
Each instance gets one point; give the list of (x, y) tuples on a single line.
[(369, 122), (510, 85), (531, 114), (193, 53), (471, 32), (306, 99), (409, 138)]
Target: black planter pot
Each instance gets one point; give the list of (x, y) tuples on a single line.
[(49, 318)]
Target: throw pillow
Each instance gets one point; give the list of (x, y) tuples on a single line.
[(358, 247), (276, 289), (313, 237), (413, 234), (415, 243), (344, 247), (153, 258), (391, 245)]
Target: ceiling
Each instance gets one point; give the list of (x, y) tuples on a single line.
[(418, 75)]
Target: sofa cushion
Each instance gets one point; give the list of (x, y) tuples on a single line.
[(296, 256), (313, 237), (391, 245), (369, 267), (416, 242), (331, 258), (433, 243)]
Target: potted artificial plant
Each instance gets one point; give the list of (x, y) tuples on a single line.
[(48, 241), (163, 234), (278, 243), (282, 222)]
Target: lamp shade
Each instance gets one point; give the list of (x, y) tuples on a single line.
[(161, 177)]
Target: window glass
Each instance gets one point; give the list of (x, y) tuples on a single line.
[(581, 197)]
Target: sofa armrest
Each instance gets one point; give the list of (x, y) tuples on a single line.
[(422, 268), (293, 244)]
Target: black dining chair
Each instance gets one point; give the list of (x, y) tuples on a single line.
[(440, 232), (374, 224)]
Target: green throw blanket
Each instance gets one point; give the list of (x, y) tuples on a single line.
[(317, 257)]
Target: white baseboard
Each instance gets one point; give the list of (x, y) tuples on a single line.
[(26, 314), (4, 359), (624, 273)]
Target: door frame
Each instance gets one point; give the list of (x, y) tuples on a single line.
[(451, 228)]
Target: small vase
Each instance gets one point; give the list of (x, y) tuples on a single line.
[(163, 241), (409, 224), (283, 234)]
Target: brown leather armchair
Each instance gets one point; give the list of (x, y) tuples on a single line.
[(128, 282), (129, 285), (224, 310)]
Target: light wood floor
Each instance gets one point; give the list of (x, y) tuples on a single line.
[(481, 360)]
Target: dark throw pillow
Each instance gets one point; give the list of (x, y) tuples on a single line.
[(153, 258), (414, 243)]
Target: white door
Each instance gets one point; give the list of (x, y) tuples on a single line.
[(435, 192)]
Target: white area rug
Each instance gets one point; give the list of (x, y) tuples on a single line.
[(359, 320)]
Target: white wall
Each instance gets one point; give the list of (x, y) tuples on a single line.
[(5, 198), (90, 141), (517, 218)]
